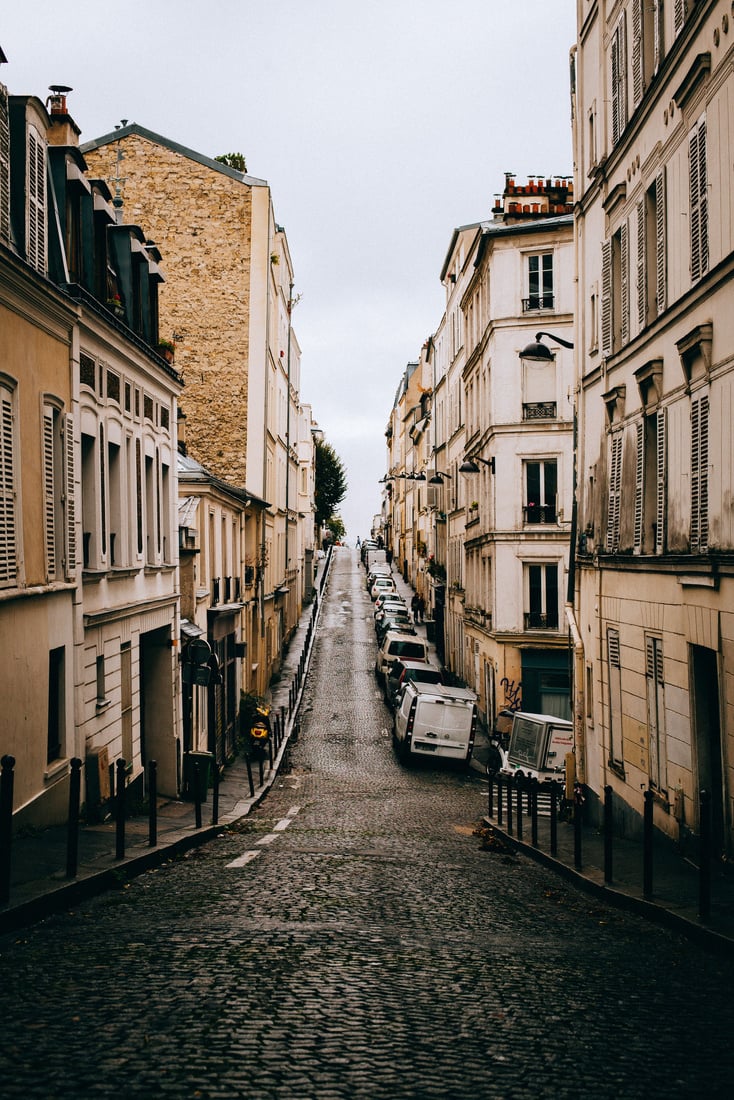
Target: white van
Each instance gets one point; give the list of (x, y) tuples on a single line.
[(395, 645), (538, 746), (435, 720)]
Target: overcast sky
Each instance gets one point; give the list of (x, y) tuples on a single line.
[(380, 125)]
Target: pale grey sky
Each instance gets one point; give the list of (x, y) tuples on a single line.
[(380, 125)]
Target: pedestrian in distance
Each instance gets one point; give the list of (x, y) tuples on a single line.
[(421, 608), (414, 607)]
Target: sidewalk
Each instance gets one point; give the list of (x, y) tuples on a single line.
[(674, 901), (38, 882)]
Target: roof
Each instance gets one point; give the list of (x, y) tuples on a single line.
[(175, 147), (190, 472)]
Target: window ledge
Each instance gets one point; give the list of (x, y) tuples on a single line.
[(56, 769), (101, 705)]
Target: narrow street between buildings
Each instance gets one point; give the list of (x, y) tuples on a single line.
[(352, 938)]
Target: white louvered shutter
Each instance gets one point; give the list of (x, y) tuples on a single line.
[(698, 201), (615, 487), (49, 492), (699, 474), (624, 268), (638, 76), (660, 243), (639, 488), (69, 498), (641, 267), (679, 15), (661, 477), (8, 532), (36, 223), (606, 298), (4, 166)]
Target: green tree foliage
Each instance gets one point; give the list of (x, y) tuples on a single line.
[(233, 160), (336, 527), (331, 482)]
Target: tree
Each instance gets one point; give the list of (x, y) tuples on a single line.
[(331, 482), (335, 524), (233, 160)]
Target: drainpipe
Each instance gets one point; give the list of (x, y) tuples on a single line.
[(263, 543), (288, 441), (577, 641)]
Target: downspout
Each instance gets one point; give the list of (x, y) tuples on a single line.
[(263, 525), (288, 438)]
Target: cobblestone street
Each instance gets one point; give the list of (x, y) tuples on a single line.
[(351, 938)]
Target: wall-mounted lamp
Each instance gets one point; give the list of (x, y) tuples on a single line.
[(438, 477), (541, 353), (469, 465)]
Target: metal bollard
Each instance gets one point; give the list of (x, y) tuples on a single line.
[(490, 795), (577, 803), (7, 763), (704, 867), (534, 812), (215, 791), (262, 770), (197, 792), (500, 789), (152, 803), (608, 834), (72, 824), (554, 817), (120, 809), (647, 844), (518, 795), (509, 806), (248, 765)]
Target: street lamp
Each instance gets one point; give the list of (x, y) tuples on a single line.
[(469, 465), (541, 353), (437, 478)]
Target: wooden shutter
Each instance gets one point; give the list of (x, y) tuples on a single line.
[(641, 266), (614, 667), (699, 474), (638, 76), (658, 35), (69, 497), (660, 242), (679, 15), (4, 166), (639, 488), (661, 472), (49, 492), (614, 81), (624, 268), (606, 298), (36, 225), (8, 532), (698, 201), (615, 486)]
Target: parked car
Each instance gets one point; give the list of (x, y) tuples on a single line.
[(403, 671), (382, 584), (435, 720), (402, 624), (394, 599), (398, 645), (538, 746), (373, 574)]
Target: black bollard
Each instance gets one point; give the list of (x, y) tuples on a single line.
[(197, 791), (261, 764), (500, 789), (152, 803), (7, 779), (534, 812), (490, 795), (608, 834), (577, 803), (518, 795), (704, 862), (248, 765), (554, 817), (509, 806), (647, 844), (120, 809), (72, 824), (282, 719), (215, 791)]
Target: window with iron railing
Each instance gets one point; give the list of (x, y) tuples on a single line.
[(540, 282), (541, 596), (541, 484)]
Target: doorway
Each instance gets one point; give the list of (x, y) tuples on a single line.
[(706, 717)]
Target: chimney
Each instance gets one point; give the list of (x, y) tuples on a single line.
[(63, 130)]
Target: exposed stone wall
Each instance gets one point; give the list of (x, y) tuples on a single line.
[(201, 220)]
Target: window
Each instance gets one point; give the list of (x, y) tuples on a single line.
[(614, 668), (539, 390), (697, 176), (541, 597), (614, 500), (56, 705), (58, 485), (540, 282), (36, 209), (8, 512), (655, 712), (618, 79), (541, 485), (4, 165), (100, 678), (650, 495), (646, 45), (651, 252), (699, 474)]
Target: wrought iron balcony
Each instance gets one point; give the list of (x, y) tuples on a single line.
[(537, 620), (537, 301), (539, 410)]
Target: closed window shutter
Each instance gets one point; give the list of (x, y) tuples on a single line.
[(638, 85), (698, 201), (49, 492), (639, 488), (8, 535), (616, 126), (641, 273), (699, 475), (624, 264), (69, 497), (661, 472), (658, 34), (4, 166), (606, 298), (660, 242), (36, 225), (615, 487), (679, 15)]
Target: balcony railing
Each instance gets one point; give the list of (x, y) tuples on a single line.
[(540, 513), (537, 620), (537, 301), (539, 410)]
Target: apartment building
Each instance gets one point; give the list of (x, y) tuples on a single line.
[(653, 133)]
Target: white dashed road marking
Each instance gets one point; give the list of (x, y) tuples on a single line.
[(246, 857), (279, 827)]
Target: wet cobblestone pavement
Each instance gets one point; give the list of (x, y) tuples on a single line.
[(351, 938)]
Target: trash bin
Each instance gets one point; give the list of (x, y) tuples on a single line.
[(431, 630), (199, 769)]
